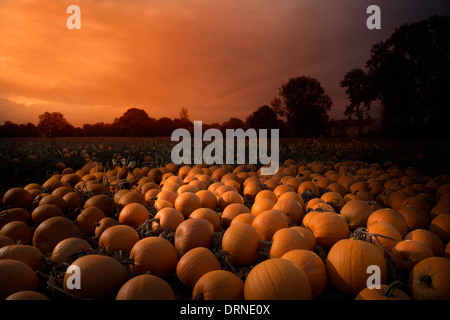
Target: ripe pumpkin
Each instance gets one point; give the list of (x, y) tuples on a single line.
[(55, 200), (266, 194), (312, 265), (430, 279), (308, 234), (269, 222), (14, 214), (6, 241), (17, 198), (429, 238), (241, 241), (261, 205), (244, 218), (410, 252), (387, 232), (133, 215), (18, 231), (385, 292), (309, 188), (390, 216), (441, 227), (28, 254), (347, 263), (169, 218), (88, 219), (207, 199), (187, 202), (131, 197), (68, 247), (146, 287), (219, 285), (16, 276), (285, 240), (292, 195), (291, 208), (154, 254), (207, 214), (231, 212), (333, 198), (416, 218), (277, 279), (328, 228), (101, 277), (104, 224), (103, 202), (228, 198), (356, 213), (27, 295), (73, 200), (192, 233), (53, 230), (118, 237), (194, 264)]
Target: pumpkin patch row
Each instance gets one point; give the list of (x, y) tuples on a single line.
[(310, 231)]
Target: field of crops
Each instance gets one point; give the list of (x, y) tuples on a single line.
[(121, 214)]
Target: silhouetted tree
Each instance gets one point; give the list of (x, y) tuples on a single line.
[(304, 104), (54, 124), (263, 118), (409, 74), (164, 127), (233, 123), (135, 123)]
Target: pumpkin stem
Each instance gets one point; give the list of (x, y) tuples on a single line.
[(425, 279), (199, 296), (394, 285)]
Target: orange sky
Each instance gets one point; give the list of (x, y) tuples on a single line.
[(218, 58)]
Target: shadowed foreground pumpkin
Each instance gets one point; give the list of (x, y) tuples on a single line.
[(14, 214), (312, 265), (385, 292), (277, 279), (118, 237), (28, 254), (192, 233), (145, 287), (241, 241), (16, 276), (27, 295), (219, 285), (101, 277), (18, 231), (53, 230), (430, 279), (347, 264), (194, 264), (410, 252), (154, 254), (67, 247)]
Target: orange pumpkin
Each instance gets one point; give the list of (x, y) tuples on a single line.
[(154, 254), (169, 218), (269, 222), (416, 218), (428, 238), (146, 287), (219, 285), (207, 199), (194, 264), (53, 230), (441, 227), (103, 202), (312, 265), (410, 252), (356, 213), (390, 216), (16, 276), (88, 219), (133, 214), (118, 237), (244, 218), (95, 283), (385, 292), (430, 279), (187, 202), (17, 198), (347, 264), (231, 212), (285, 240), (388, 235), (328, 228), (18, 231), (291, 208), (228, 198), (277, 279), (68, 247), (192, 233), (30, 255), (241, 241), (261, 205), (207, 214)]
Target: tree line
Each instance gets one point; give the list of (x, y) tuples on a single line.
[(408, 75)]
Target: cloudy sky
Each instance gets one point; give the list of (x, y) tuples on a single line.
[(218, 58)]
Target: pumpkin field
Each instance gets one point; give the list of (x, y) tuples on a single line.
[(116, 219)]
